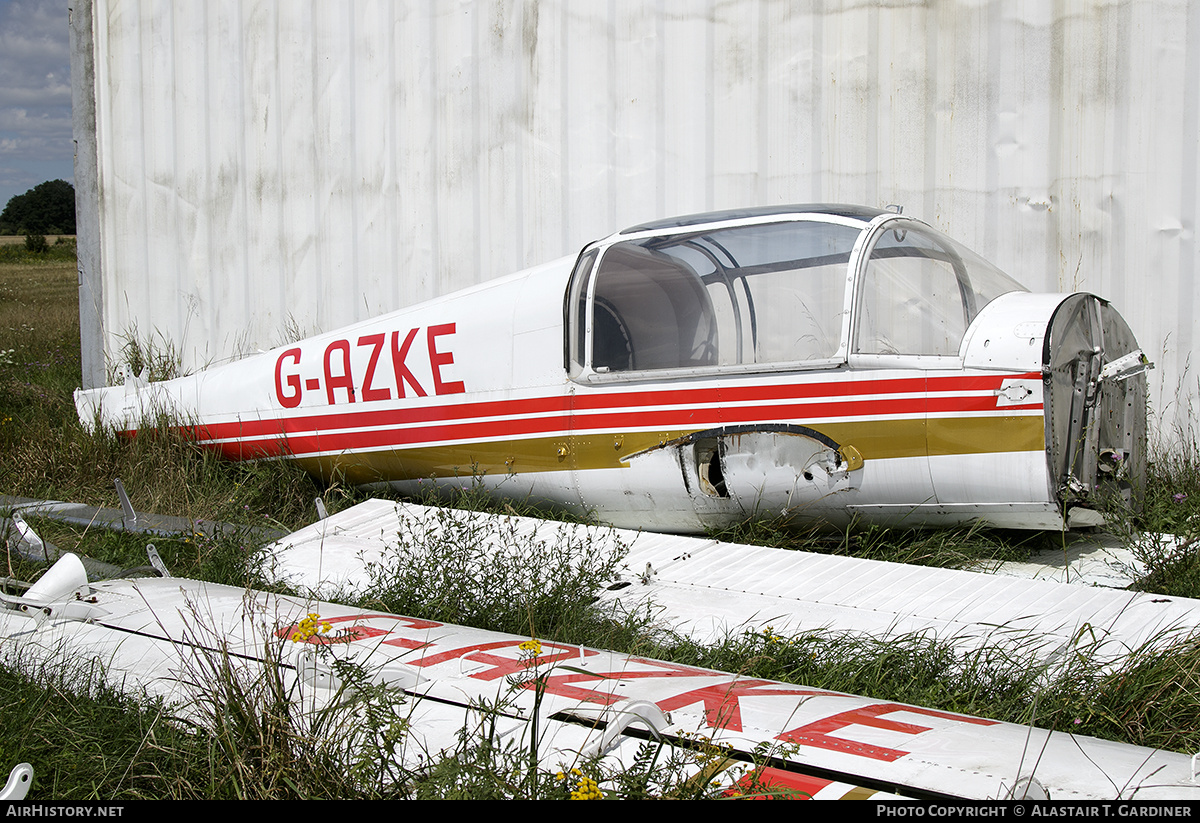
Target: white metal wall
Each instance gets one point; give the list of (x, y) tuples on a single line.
[(262, 164)]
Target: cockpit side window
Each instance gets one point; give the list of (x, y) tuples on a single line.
[(758, 294)]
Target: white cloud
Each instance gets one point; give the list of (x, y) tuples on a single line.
[(52, 124), (48, 95)]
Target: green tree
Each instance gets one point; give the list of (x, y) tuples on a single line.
[(47, 208)]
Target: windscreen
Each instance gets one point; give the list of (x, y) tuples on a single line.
[(920, 292)]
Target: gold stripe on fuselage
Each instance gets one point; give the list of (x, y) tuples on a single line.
[(874, 440)]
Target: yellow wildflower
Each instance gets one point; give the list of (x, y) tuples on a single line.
[(309, 626), (587, 789)]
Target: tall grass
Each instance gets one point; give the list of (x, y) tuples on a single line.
[(1165, 531), (88, 740), (492, 574), (48, 454)]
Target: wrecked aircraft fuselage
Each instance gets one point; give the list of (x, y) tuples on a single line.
[(823, 364)]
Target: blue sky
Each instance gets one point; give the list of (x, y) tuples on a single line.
[(35, 95)]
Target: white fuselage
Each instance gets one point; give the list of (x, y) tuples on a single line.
[(650, 415)]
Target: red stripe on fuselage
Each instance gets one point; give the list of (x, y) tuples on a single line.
[(547, 415), (346, 417)]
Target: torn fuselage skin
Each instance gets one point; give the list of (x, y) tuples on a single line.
[(779, 471)]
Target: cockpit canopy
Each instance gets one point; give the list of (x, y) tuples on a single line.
[(806, 287)]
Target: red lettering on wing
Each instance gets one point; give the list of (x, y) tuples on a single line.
[(767, 782), (438, 359), (560, 684), (351, 634), (376, 343), (501, 666), (403, 375), (722, 701), (819, 733)]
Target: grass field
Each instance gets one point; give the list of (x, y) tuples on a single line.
[(90, 742), (13, 239)]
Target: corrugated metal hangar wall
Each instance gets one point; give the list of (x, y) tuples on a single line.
[(257, 166)]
